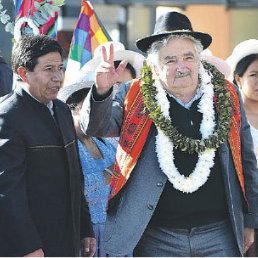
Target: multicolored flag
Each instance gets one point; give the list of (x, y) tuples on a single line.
[(88, 34)]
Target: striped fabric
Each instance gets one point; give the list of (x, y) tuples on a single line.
[(50, 28), (17, 4), (88, 34), (23, 8)]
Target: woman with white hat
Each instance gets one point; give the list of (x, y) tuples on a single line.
[(97, 157), (244, 73)]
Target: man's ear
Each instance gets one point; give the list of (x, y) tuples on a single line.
[(156, 70), (22, 73)]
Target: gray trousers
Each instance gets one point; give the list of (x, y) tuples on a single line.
[(215, 239)]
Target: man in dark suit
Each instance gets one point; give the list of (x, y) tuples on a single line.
[(6, 77), (43, 211)]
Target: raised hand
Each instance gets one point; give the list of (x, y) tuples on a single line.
[(106, 74)]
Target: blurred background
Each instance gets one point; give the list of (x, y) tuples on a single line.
[(228, 21)]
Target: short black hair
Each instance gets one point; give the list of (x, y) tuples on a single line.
[(129, 67), (243, 64), (29, 48)]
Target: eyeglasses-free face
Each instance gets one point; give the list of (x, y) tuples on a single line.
[(46, 79)]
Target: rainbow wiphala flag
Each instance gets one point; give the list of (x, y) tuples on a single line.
[(88, 34)]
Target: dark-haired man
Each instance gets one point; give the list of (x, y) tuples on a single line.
[(43, 211)]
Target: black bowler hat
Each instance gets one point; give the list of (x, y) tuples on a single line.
[(172, 23)]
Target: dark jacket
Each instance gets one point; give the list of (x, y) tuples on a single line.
[(6, 77), (41, 191)]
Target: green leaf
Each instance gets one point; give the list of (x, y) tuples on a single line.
[(37, 5)]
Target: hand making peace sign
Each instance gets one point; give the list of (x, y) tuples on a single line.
[(106, 75)]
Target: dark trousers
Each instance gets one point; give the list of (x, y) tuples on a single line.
[(216, 239)]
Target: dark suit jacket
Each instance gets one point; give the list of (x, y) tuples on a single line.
[(41, 191), (6, 77)]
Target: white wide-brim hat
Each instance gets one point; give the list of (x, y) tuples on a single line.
[(134, 58), (219, 63), (243, 49), (66, 91)]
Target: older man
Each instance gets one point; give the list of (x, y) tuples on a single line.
[(43, 210), (186, 181)]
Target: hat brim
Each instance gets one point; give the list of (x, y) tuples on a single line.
[(219, 63), (145, 43), (68, 90), (134, 58), (242, 50)]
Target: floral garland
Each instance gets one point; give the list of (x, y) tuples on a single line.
[(163, 122), (164, 144), (196, 179)]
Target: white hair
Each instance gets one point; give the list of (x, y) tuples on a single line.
[(153, 52)]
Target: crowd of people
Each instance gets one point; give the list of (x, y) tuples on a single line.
[(143, 155)]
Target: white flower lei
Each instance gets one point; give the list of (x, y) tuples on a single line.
[(164, 147)]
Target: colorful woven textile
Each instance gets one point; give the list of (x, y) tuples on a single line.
[(234, 136), (133, 135), (88, 34)]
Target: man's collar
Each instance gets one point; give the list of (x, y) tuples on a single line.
[(189, 104), (49, 105)]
